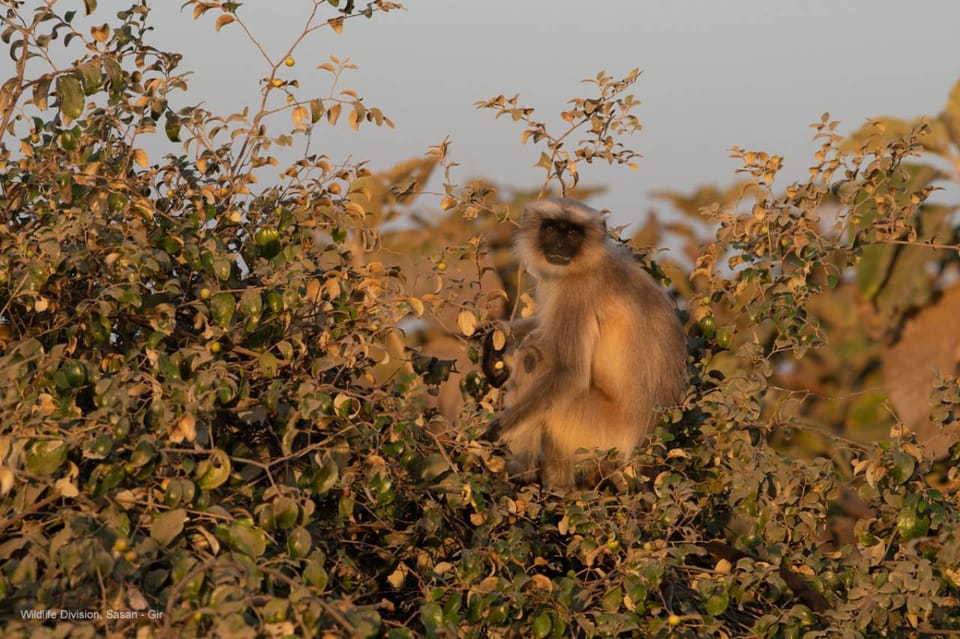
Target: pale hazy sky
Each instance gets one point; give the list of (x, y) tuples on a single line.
[(751, 73)]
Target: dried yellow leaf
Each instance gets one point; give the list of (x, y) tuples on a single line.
[(542, 582), (224, 20), (333, 113), (416, 305), (299, 115), (100, 34), (467, 322)]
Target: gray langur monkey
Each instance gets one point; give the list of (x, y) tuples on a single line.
[(605, 351)]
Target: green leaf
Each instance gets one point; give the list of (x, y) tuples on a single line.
[(911, 525), (214, 471), (45, 456), (70, 94), (326, 478), (91, 77), (299, 542), (221, 268), (248, 540), (286, 512), (168, 525), (431, 616), (718, 603), (541, 625), (315, 574), (269, 365), (903, 467), (172, 127), (251, 303), (611, 601), (114, 72), (222, 306), (316, 110)]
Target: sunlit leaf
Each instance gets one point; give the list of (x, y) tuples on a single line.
[(333, 113), (467, 322), (46, 456), (101, 33), (140, 158), (213, 471), (224, 20)]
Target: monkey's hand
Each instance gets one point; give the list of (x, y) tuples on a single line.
[(492, 433), (491, 363)]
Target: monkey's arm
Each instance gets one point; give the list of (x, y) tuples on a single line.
[(542, 393), (563, 371), (522, 327)]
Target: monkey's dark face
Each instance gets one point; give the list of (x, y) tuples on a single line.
[(560, 240)]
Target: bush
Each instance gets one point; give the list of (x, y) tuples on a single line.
[(214, 424)]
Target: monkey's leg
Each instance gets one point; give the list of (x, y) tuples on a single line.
[(524, 443)]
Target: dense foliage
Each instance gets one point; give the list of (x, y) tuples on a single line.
[(232, 404)]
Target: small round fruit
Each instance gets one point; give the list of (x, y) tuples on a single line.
[(268, 242), (204, 293), (673, 620), (102, 445), (708, 326), (289, 61), (68, 140), (121, 545), (277, 83), (724, 337), (441, 266), (74, 372), (274, 301)]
